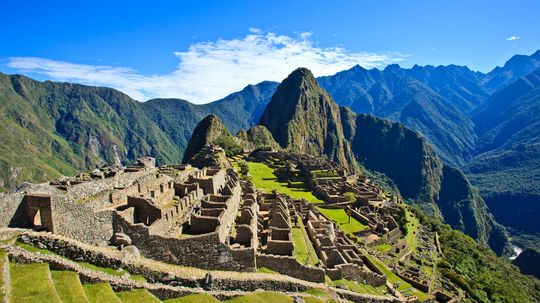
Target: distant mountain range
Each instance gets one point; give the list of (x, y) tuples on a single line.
[(484, 124)]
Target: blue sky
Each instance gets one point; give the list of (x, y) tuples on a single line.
[(202, 50)]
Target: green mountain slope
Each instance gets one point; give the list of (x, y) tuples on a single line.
[(507, 171), (52, 128)]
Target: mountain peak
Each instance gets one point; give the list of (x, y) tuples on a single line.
[(207, 132), (303, 118)]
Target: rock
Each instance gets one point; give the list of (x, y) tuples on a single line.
[(208, 280), (298, 299), (121, 239), (132, 250)]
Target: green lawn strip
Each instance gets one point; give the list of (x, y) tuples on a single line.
[(262, 297), (393, 278), (68, 286), (195, 298), (2, 282), (263, 178), (360, 288), (303, 250), (264, 270), (137, 296), (31, 283), (412, 227), (100, 293), (341, 218)]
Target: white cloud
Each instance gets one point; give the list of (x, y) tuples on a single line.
[(208, 71), (513, 38)]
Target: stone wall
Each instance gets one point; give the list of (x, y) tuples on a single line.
[(81, 222), (204, 251), (289, 266), (356, 273), (13, 213)]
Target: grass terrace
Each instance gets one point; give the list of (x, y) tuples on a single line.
[(195, 298), (22, 291), (361, 288), (341, 218), (263, 178), (303, 250), (2, 282), (100, 293), (403, 287), (412, 228), (68, 286), (137, 296)]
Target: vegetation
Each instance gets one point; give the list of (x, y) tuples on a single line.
[(402, 286), (68, 286), (137, 296), (477, 270), (263, 178), (262, 297), (24, 292), (194, 298), (2, 282), (303, 250), (100, 293), (360, 288), (341, 218)]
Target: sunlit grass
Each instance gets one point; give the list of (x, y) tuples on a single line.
[(263, 178)]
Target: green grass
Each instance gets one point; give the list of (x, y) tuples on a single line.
[(313, 300), (33, 249), (194, 298), (361, 288), (262, 297), (137, 296), (412, 228), (31, 283), (2, 263), (303, 250), (264, 270), (341, 218), (68, 286), (393, 278), (100, 293), (383, 247), (263, 178)]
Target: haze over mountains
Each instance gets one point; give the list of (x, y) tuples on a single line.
[(485, 124)]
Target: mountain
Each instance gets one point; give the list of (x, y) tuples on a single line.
[(515, 68), (507, 168), (304, 118), (433, 101), (528, 262), (50, 129)]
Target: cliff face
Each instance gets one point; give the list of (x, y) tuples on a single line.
[(303, 118)]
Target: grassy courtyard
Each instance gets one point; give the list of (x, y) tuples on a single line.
[(341, 218), (263, 178)]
